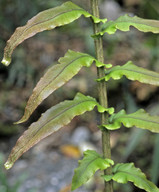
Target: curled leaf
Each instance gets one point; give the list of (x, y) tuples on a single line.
[(140, 119), (91, 162), (55, 77), (51, 121), (124, 22), (122, 173), (45, 20), (132, 72)]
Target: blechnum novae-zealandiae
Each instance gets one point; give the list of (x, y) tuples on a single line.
[(62, 113)]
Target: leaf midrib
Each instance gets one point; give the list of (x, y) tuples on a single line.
[(144, 73), (51, 18), (132, 24), (141, 119), (49, 122), (88, 164), (62, 70)]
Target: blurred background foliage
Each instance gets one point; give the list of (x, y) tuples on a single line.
[(32, 58)]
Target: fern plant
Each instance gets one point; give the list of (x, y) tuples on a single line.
[(61, 114)]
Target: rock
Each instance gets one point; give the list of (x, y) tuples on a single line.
[(80, 135), (83, 146), (110, 9)]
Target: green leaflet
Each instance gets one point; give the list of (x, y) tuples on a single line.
[(132, 72), (124, 22), (122, 173), (45, 20), (91, 162), (51, 121), (140, 119), (55, 77)]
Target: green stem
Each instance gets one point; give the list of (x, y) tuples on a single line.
[(102, 90)]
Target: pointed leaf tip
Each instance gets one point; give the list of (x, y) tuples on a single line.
[(6, 62), (8, 165)]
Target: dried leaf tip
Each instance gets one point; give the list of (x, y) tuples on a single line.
[(6, 62), (8, 165)]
